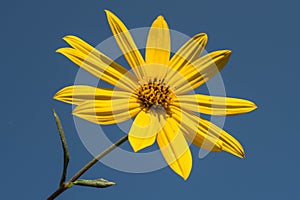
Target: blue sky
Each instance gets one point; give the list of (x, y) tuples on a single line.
[(264, 39)]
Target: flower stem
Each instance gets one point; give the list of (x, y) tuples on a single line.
[(67, 185)]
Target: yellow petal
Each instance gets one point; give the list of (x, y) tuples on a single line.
[(126, 43), (107, 111), (84, 47), (214, 105), (87, 49), (175, 149), (200, 71), (77, 94), (100, 69), (190, 129), (158, 42), (144, 129), (208, 133), (230, 144), (188, 53)]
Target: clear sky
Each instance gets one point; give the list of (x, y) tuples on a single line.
[(264, 67)]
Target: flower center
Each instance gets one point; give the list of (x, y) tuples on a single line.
[(155, 93)]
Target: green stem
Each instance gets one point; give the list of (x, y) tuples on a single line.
[(63, 187)]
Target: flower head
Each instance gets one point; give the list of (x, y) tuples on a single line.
[(156, 94)]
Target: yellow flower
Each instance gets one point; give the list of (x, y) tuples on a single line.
[(156, 93)]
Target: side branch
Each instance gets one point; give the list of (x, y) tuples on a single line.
[(64, 146)]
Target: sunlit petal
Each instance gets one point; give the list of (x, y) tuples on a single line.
[(77, 94), (100, 69), (188, 53), (144, 129), (214, 105), (126, 43), (107, 111), (175, 149), (200, 71), (190, 129), (158, 42), (230, 144), (207, 135)]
